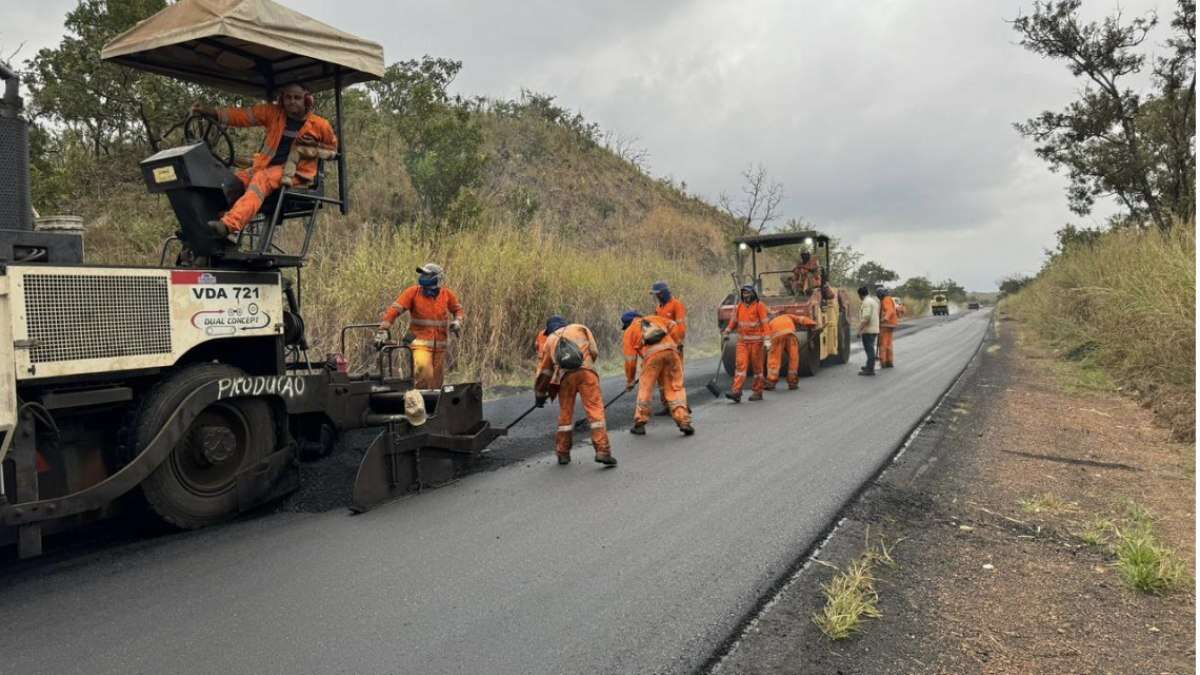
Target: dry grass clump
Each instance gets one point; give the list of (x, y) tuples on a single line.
[(850, 596), (1127, 305)]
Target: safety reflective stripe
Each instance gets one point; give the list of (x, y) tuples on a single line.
[(752, 338), (655, 349), (566, 427), (676, 403), (258, 191), (597, 425), (785, 332), (629, 359), (739, 373), (773, 372), (643, 404), (399, 307), (436, 323), (428, 343)]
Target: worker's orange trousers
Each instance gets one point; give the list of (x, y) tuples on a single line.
[(784, 344), (662, 391), (886, 353), (750, 356), (258, 184), (664, 369), (587, 385), (428, 366)]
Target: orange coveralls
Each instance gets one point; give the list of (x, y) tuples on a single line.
[(676, 311), (750, 322), (889, 318), (661, 365), (806, 276), (430, 323), (315, 140), (582, 381), (784, 338)]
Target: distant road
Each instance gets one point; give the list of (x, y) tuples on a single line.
[(528, 568)]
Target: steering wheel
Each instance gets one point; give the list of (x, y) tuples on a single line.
[(201, 129)]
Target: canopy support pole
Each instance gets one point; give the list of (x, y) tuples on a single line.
[(343, 193)]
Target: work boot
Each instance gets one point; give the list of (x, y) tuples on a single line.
[(687, 429), (888, 365), (868, 373), (736, 397), (793, 385), (606, 459), (756, 396), (220, 230), (770, 386), (564, 459), (638, 429)]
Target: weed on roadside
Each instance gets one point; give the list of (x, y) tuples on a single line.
[(1096, 532), (1047, 503), (1143, 562), (850, 596)]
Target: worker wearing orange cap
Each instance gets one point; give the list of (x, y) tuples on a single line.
[(750, 321), (889, 319), (649, 337), (435, 311), (567, 368), (785, 339)]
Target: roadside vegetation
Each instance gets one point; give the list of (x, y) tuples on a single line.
[(1144, 563), (850, 596)]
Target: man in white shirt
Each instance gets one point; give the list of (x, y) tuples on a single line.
[(868, 328)]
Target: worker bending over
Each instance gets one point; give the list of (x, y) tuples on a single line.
[(295, 139), (435, 312), (650, 338), (750, 322), (785, 339), (567, 368)]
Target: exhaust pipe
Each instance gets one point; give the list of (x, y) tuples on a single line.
[(16, 208)]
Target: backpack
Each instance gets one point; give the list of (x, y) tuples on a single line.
[(567, 354), (652, 333)]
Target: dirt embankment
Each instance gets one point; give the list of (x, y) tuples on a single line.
[(1009, 520)]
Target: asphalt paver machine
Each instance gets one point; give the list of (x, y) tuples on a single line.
[(190, 389), (831, 342)]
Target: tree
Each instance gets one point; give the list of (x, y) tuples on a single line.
[(760, 200), (106, 104), (872, 274), (1013, 283), (953, 290), (919, 288), (1110, 141), (843, 259)]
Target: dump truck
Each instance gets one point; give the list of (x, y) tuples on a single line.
[(940, 303), (190, 389), (830, 344)]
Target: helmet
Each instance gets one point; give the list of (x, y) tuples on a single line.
[(880, 292), (749, 288), (431, 274), (628, 317), (554, 323), (805, 255), (661, 291)]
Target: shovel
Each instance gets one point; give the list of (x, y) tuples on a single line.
[(712, 384), (580, 425), (521, 417)]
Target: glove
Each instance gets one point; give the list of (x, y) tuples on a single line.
[(456, 327), (767, 345), (540, 401), (381, 337), (628, 386)]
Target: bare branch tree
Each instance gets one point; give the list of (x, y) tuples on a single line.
[(759, 204), (627, 148)]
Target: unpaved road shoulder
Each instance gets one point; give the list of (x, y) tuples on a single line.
[(987, 513)]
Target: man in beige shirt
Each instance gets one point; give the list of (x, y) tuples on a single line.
[(868, 328)]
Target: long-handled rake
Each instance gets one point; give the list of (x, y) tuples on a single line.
[(712, 384)]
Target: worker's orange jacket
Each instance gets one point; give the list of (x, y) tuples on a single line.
[(431, 317), (677, 312), (315, 139), (809, 272), (888, 316), (750, 321), (539, 344), (788, 324), (548, 371), (634, 346)]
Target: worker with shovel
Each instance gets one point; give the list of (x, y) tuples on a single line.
[(436, 312), (650, 338), (750, 321), (670, 307), (567, 368)]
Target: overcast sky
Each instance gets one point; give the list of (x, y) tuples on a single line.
[(888, 123)]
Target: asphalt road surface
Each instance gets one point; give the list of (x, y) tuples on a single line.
[(527, 568)]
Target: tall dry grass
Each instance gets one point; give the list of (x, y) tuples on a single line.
[(1127, 304), (510, 281)]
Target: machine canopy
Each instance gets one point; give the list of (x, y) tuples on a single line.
[(248, 47)]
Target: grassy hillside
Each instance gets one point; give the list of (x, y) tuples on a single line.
[(556, 223), (1125, 304)]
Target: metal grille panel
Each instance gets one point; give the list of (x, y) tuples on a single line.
[(73, 317)]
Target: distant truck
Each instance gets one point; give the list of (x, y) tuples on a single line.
[(972, 305), (940, 304)]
